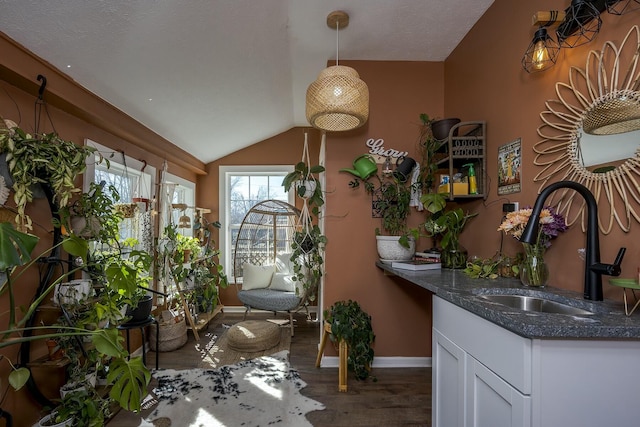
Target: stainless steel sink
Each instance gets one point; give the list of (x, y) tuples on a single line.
[(535, 304)]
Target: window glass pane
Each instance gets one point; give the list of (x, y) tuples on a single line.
[(245, 187)]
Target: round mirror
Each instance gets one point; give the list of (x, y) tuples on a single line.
[(591, 135)]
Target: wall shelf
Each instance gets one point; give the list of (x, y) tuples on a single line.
[(465, 144)]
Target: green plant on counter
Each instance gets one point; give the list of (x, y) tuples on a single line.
[(349, 322), (482, 268)]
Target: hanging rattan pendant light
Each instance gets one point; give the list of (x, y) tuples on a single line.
[(338, 100)]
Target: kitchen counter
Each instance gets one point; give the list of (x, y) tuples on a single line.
[(607, 322)]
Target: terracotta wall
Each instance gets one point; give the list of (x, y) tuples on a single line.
[(485, 80), (75, 114), (283, 149), (401, 313)]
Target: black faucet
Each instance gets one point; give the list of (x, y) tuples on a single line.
[(594, 269)]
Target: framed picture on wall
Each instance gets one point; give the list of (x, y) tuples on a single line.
[(509, 167)]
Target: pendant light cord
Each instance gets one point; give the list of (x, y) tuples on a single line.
[(337, 40)]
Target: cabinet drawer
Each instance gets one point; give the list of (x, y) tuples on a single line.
[(503, 352)]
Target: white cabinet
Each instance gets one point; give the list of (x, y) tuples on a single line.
[(486, 376), (492, 402), (448, 383), (467, 393)]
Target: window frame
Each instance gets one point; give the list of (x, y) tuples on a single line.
[(224, 174)]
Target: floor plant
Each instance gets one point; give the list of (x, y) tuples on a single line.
[(349, 322)]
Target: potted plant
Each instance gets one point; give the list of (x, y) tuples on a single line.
[(128, 376), (307, 257), (428, 146), (84, 406), (41, 159), (392, 203), (349, 322), (452, 222), (92, 215), (307, 184)]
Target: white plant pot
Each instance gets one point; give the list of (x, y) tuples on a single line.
[(309, 188), (389, 248), (48, 421), (72, 292), (84, 227)]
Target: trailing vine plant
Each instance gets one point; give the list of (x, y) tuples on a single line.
[(349, 322)]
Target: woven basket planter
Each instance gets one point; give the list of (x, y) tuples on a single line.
[(172, 336)]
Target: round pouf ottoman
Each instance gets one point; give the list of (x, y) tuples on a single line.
[(253, 335)]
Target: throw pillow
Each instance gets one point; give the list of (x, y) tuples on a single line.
[(283, 263), (256, 276), (282, 282)]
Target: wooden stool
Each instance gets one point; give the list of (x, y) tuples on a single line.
[(343, 351)]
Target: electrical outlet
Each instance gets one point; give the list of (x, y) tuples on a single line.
[(516, 206), (509, 207)]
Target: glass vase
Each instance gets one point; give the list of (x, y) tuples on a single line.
[(533, 270), (454, 256)]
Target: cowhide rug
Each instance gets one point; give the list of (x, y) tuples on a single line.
[(257, 392)]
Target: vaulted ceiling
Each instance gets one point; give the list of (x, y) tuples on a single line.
[(214, 76)]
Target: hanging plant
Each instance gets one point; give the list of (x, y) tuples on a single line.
[(307, 258), (41, 159)]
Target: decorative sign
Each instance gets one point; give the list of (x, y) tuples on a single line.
[(380, 153), (509, 167)]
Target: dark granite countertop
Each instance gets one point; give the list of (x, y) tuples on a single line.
[(608, 320)]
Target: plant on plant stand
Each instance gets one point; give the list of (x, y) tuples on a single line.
[(533, 269), (129, 377), (349, 322)]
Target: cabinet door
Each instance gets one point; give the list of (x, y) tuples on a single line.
[(448, 383), (492, 402)]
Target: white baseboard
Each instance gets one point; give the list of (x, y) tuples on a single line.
[(384, 362), (241, 309)]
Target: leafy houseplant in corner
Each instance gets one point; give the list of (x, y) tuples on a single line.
[(349, 322)]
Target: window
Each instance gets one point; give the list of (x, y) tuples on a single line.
[(184, 194), (241, 187), (132, 178)]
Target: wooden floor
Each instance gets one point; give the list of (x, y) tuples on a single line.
[(399, 397)]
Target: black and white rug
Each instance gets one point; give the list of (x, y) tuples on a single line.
[(257, 392)]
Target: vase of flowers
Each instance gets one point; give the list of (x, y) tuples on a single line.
[(533, 270)]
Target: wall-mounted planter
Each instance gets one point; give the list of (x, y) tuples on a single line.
[(441, 128)]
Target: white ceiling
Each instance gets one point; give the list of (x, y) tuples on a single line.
[(214, 76)]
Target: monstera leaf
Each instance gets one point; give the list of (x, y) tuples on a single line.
[(130, 379), (15, 246)]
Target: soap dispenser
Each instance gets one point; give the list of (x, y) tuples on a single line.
[(473, 184)]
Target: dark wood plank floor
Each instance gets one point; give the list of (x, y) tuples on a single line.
[(399, 397)]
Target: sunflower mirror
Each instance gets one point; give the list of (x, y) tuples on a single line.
[(591, 135)]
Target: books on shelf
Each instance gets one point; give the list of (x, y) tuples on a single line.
[(416, 265), (429, 256)]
